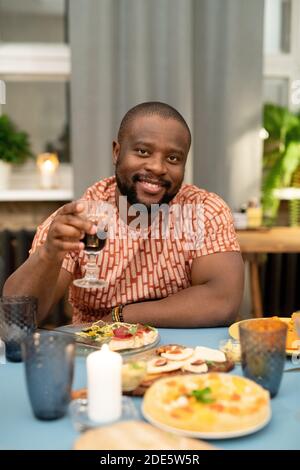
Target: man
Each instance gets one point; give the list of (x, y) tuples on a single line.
[(166, 280)]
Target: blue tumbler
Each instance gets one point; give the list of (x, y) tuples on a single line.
[(49, 364)]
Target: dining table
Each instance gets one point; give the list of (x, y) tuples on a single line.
[(20, 430), (255, 244)]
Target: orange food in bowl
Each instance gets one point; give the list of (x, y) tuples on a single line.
[(268, 328), (265, 324), (292, 332)]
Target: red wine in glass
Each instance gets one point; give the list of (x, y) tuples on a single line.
[(96, 212), (94, 243)]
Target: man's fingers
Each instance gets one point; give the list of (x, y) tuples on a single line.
[(77, 222), (66, 231), (69, 227), (74, 207), (68, 245)]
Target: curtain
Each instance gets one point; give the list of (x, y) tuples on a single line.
[(228, 38), (204, 57)]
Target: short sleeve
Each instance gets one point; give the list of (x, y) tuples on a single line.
[(215, 231), (41, 233)]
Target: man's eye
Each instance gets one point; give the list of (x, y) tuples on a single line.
[(142, 152), (173, 159)]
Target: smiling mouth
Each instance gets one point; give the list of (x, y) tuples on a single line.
[(151, 187)]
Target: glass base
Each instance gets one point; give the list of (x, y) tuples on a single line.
[(13, 351), (81, 421), (89, 283)]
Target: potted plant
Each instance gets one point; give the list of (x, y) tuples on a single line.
[(14, 148), (281, 158)]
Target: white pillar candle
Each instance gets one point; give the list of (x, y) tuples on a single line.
[(104, 372), (48, 170)]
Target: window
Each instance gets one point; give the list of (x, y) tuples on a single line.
[(281, 51), (32, 21), (35, 65), (276, 90), (40, 108), (277, 26)]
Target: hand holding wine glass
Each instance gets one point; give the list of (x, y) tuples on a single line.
[(66, 231), (95, 212)]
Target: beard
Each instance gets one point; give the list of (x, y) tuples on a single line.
[(129, 190)]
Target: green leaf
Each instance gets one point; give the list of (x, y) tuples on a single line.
[(290, 162), (14, 144), (133, 329), (203, 395), (273, 118), (136, 365), (281, 154)]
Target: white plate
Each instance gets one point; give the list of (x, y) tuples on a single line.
[(89, 343), (208, 435)]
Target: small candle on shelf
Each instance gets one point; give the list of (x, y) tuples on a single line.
[(47, 164), (104, 369)]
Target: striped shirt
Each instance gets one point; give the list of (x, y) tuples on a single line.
[(155, 264)]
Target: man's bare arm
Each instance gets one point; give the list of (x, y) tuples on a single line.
[(42, 275), (38, 277), (212, 300)]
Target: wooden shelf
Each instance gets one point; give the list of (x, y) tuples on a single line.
[(36, 195)]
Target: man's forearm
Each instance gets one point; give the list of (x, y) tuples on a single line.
[(37, 277), (196, 306)]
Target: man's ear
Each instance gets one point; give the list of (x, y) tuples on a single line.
[(115, 151)]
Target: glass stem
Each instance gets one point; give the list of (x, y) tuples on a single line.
[(91, 273)]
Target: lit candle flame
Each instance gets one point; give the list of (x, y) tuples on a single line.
[(47, 164)]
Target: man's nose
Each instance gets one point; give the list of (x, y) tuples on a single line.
[(156, 164)]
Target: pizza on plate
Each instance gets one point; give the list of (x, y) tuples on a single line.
[(120, 335), (211, 404)]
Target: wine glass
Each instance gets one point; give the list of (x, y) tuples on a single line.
[(97, 213)]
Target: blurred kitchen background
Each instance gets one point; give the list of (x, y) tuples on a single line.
[(70, 69)]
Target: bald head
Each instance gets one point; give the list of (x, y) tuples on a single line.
[(150, 108)]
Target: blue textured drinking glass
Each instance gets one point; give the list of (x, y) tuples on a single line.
[(17, 321), (49, 365), (263, 350)]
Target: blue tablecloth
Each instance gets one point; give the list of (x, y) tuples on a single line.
[(20, 430)]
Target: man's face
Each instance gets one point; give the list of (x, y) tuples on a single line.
[(150, 160)]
